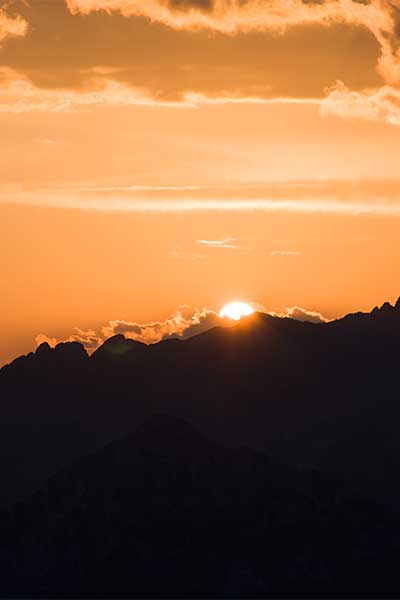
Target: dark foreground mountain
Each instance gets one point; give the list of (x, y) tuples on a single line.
[(324, 396), (164, 511), (167, 513)]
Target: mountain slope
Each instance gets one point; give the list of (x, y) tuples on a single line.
[(319, 395), (167, 513)]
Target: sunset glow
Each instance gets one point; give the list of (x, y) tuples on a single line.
[(199, 264), (159, 154), (236, 310)]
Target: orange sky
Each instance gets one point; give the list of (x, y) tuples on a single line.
[(157, 154)]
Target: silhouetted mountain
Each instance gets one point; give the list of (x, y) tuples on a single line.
[(323, 396), (164, 511), (118, 348), (167, 513)]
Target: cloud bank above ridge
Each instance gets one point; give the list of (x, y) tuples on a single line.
[(184, 323)]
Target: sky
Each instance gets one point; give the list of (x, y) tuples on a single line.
[(160, 158)]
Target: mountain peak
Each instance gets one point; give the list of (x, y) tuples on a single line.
[(63, 350), (71, 349), (118, 338), (118, 345), (43, 349), (387, 307)]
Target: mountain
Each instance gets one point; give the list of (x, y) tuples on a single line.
[(321, 396), (165, 512)]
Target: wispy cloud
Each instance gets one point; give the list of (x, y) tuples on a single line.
[(346, 198), (146, 205), (19, 95), (226, 243), (197, 100), (381, 104), (89, 339), (142, 188), (300, 314), (284, 253)]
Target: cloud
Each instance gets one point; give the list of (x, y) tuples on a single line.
[(89, 339), (143, 188), (183, 323), (222, 97), (227, 243), (347, 198), (19, 95), (284, 253), (300, 314), (42, 338), (382, 104), (381, 205), (247, 59), (11, 26), (253, 62), (380, 17)]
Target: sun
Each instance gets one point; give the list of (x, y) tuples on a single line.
[(236, 310)]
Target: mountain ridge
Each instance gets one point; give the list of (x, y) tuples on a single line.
[(120, 345), (259, 460), (322, 396)]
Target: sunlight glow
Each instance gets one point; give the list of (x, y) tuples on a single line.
[(236, 310)]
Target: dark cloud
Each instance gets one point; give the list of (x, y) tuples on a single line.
[(380, 17), (62, 50), (185, 5)]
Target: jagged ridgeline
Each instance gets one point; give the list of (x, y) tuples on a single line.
[(274, 469), (321, 395)]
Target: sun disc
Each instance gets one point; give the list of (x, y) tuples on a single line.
[(236, 310)]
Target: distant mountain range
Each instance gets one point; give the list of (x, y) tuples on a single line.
[(139, 504)]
